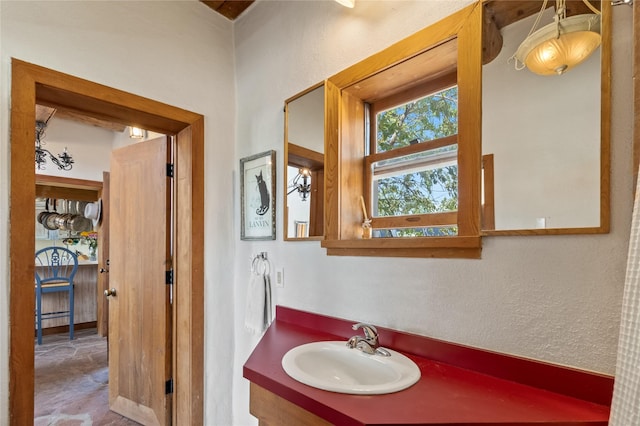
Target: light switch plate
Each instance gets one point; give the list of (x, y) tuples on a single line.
[(280, 277)]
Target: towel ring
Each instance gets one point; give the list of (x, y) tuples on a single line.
[(260, 264)]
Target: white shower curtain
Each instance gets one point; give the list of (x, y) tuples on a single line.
[(625, 407)]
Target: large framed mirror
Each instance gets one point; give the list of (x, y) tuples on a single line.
[(545, 139), (304, 171)]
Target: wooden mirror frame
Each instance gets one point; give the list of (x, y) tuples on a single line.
[(299, 156), (499, 14)]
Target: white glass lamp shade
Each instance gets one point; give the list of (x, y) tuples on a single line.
[(545, 54)]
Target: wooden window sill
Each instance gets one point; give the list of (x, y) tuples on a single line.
[(440, 247)]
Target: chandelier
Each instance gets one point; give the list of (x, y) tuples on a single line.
[(303, 187), (64, 161)]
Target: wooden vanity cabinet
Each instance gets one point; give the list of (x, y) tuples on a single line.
[(272, 410)]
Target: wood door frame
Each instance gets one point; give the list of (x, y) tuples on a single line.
[(636, 92), (32, 83), (102, 304)]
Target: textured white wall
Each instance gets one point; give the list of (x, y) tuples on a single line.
[(555, 298), (176, 52)]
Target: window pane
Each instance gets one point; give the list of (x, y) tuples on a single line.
[(426, 182), (432, 117), (435, 231)]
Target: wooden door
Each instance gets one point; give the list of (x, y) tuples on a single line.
[(139, 311)]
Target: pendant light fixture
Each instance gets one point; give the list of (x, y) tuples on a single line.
[(561, 45), (136, 133)]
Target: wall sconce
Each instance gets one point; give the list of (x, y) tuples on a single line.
[(64, 161), (348, 3), (136, 133), (304, 187), (561, 45)]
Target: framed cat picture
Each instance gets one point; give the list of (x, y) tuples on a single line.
[(258, 196)]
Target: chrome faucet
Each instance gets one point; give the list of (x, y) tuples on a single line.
[(369, 343)]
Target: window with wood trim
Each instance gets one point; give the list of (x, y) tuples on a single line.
[(442, 60), (411, 169)]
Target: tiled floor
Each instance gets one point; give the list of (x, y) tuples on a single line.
[(71, 378)]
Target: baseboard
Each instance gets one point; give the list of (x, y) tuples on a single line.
[(65, 328)]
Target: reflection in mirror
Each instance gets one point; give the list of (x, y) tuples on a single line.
[(542, 143), (304, 177)]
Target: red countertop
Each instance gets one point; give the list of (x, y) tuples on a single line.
[(449, 391)]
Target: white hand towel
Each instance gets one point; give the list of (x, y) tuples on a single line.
[(268, 313), (254, 319)]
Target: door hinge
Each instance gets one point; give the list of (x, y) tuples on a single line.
[(169, 277), (169, 170), (168, 387)]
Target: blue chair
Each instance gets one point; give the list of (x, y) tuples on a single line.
[(55, 269)]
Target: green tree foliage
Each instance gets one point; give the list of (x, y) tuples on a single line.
[(426, 191)]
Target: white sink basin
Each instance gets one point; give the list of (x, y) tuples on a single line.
[(334, 367)]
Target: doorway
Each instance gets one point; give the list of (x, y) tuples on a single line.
[(33, 84), (69, 374)]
